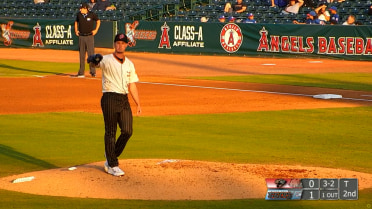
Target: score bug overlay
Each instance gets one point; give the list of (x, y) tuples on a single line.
[(311, 189)]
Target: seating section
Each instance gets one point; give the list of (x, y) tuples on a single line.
[(176, 10), (67, 9)]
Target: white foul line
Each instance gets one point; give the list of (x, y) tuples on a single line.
[(246, 90)]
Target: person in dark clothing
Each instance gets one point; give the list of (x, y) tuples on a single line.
[(103, 5), (84, 29), (238, 7)]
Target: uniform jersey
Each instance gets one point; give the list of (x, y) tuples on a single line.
[(116, 76), (334, 19), (316, 21), (86, 22), (249, 21)]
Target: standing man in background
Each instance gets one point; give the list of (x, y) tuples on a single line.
[(103, 5), (84, 29), (238, 7), (119, 79)]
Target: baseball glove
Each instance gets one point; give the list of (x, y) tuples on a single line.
[(95, 59)]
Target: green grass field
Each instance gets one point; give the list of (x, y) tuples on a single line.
[(17, 68), (334, 138), (350, 81)]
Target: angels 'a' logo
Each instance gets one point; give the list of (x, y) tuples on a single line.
[(231, 37), (37, 41), (130, 30), (164, 39)]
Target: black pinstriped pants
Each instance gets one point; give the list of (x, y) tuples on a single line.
[(116, 111)]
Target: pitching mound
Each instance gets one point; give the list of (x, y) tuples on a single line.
[(169, 180)]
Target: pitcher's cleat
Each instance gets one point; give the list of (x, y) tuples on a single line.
[(115, 171), (106, 166)]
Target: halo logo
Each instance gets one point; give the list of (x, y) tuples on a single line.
[(164, 39), (231, 37), (37, 41)]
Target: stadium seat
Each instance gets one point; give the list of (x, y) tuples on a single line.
[(257, 2), (277, 21), (269, 15), (203, 13), (176, 19), (103, 17), (192, 13), (251, 8), (219, 8), (301, 17), (124, 6), (181, 13), (274, 9), (223, 2), (258, 15), (137, 6), (198, 7), (235, 14), (361, 18), (291, 16), (262, 8), (208, 8), (214, 2), (335, 3), (195, 19), (359, 4), (364, 11), (367, 22), (264, 20), (346, 4), (166, 19), (280, 15), (354, 11), (343, 11), (306, 9), (186, 19), (287, 21)]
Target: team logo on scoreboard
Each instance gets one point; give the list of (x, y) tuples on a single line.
[(231, 37), (283, 189)]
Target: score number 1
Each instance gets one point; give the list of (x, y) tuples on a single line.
[(310, 189)]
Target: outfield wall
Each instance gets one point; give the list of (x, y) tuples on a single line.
[(264, 40)]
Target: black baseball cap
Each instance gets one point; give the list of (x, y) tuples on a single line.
[(121, 37), (84, 5)]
